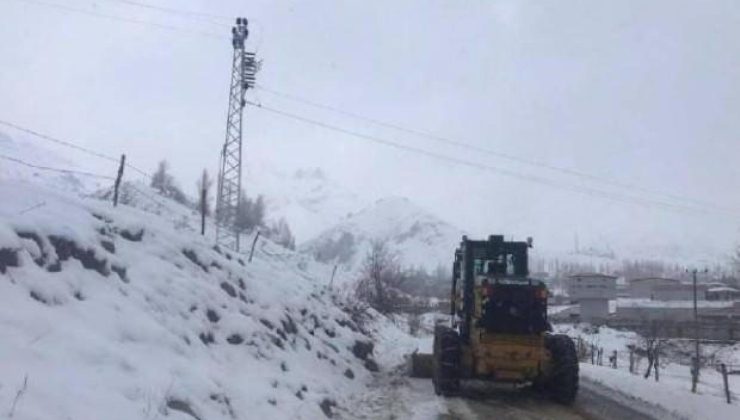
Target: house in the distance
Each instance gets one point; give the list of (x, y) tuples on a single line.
[(592, 291)]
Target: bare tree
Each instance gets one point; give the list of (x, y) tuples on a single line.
[(204, 201), (162, 179), (166, 185), (381, 278), (280, 233), (652, 348)]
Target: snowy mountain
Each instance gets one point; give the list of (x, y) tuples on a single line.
[(420, 238), (309, 200)]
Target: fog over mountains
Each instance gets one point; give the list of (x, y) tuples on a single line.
[(336, 224)]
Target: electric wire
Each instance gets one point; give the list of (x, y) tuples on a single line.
[(81, 173), (505, 172), (471, 147), (204, 34), (51, 169), (71, 145), (220, 20)]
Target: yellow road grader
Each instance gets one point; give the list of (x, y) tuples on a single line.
[(499, 330)]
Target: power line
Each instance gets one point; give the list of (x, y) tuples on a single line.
[(204, 17), (468, 146), (525, 177), (124, 19), (47, 168), (71, 145)]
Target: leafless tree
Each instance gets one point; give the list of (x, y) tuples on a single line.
[(651, 345), (381, 278), (280, 233)]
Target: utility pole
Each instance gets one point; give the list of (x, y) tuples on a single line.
[(243, 71), (697, 351)]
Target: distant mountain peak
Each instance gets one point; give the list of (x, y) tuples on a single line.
[(420, 238)]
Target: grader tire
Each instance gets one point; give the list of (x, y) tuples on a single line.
[(561, 383), (446, 361)]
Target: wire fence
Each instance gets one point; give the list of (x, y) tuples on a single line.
[(71, 145), (591, 352)]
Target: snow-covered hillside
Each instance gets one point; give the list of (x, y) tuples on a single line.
[(116, 313), (420, 238)]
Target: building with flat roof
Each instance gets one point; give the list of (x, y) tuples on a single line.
[(592, 292)]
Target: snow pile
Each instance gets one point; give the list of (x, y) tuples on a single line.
[(115, 314), (420, 238)]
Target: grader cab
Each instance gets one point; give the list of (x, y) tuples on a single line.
[(499, 330)]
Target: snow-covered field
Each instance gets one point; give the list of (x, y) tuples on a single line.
[(673, 391), (117, 313)]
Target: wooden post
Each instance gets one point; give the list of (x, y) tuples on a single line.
[(632, 360), (333, 272), (251, 252), (614, 359), (727, 384), (203, 204), (657, 365), (118, 180)]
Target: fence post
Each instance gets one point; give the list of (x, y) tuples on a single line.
[(118, 180), (657, 366), (614, 360), (632, 360), (203, 209), (251, 252), (333, 273), (727, 384)]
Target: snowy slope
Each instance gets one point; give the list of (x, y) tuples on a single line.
[(420, 238), (115, 313), (309, 200)]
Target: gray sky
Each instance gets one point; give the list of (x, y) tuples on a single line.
[(642, 92)]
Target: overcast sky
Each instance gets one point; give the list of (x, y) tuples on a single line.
[(639, 92)]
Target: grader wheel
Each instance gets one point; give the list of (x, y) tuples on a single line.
[(561, 383), (446, 361)]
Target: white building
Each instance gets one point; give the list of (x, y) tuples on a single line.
[(593, 291)]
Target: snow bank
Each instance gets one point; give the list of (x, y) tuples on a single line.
[(114, 313)]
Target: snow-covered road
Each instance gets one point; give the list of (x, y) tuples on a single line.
[(398, 397)]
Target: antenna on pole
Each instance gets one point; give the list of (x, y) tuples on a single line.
[(243, 71)]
